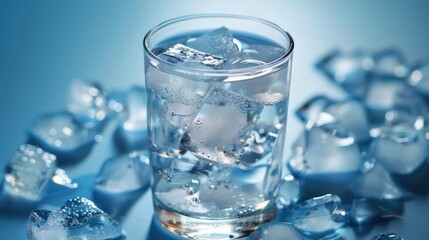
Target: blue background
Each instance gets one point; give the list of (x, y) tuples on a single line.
[(44, 45)]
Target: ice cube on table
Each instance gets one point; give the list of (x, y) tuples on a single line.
[(289, 192), (325, 148), (79, 218), (349, 69), (132, 133), (376, 184), (221, 127), (381, 96), (419, 78), (87, 101), (61, 134), (401, 149), (387, 236), (318, 217), (218, 42), (275, 231), (311, 108), (389, 63), (121, 181), (365, 211), (25, 178), (352, 116)]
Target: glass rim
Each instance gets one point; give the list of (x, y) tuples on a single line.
[(256, 70)]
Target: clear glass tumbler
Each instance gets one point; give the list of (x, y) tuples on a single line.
[(217, 116)]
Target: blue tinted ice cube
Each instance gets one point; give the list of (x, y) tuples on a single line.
[(87, 101), (25, 178), (132, 133), (121, 181), (221, 127), (401, 149), (378, 185), (61, 134), (349, 69), (253, 55), (289, 192), (325, 148), (218, 42), (350, 114), (274, 231), (365, 211), (79, 218), (388, 236), (389, 63), (318, 217), (382, 95), (419, 78)]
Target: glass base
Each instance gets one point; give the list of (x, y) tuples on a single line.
[(196, 228)]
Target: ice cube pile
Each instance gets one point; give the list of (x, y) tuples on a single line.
[(369, 148)]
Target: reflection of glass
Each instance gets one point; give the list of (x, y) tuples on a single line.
[(217, 122)]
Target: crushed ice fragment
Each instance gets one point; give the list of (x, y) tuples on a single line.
[(221, 127), (132, 133), (275, 230), (318, 217), (87, 101), (378, 185), (349, 69), (121, 181), (25, 178), (61, 134), (388, 236), (419, 78), (79, 218), (259, 144), (389, 63), (61, 178), (401, 149), (189, 55), (218, 42), (365, 211), (257, 54)]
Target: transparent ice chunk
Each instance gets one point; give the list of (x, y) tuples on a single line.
[(25, 178), (61, 134), (276, 230), (349, 113), (259, 144), (378, 185), (389, 63), (220, 129), (318, 217), (121, 181), (388, 236), (349, 69), (79, 218), (132, 133), (401, 149), (419, 78), (325, 148), (289, 192), (365, 212), (257, 54), (189, 57), (381, 96), (218, 42), (87, 101)]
